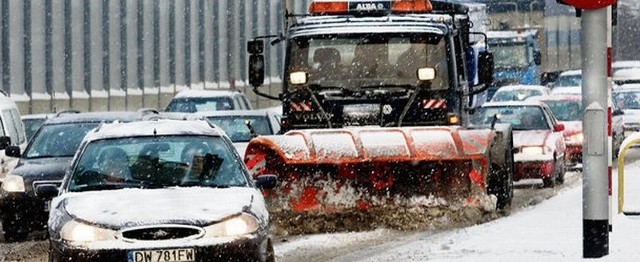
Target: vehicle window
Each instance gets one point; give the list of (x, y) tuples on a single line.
[(520, 117), (627, 100), (59, 140), (566, 110), (568, 80), (199, 104), (237, 129), (515, 95), (31, 126), (239, 104), (161, 161), (511, 56), (11, 128), (356, 60), (2, 132), (17, 123)]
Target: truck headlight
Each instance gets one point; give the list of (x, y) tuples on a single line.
[(238, 225), (13, 183), (75, 231), (533, 150)]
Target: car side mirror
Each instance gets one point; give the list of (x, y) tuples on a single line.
[(47, 191), (256, 70), (266, 181), (5, 142), (617, 112), (537, 57), (13, 151), (558, 128), (485, 68)]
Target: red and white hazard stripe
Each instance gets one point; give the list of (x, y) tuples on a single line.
[(434, 103), (255, 163), (300, 106)]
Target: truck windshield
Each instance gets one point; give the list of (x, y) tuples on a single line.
[(356, 61), (510, 56)]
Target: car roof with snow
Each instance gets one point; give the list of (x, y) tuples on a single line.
[(627, 74), (560, 97), (193, 93), (571, 72), (522, 87), (36, 116), (158, 127), (6, 102), (258, 112), (74, 117), (626, 64), (514, 103), (567, 90)]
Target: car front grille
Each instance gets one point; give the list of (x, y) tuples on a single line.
[(164, 232)]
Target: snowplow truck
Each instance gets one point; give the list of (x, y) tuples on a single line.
[(375, 99)]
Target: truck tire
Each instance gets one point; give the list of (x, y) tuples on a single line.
[(500, 182)]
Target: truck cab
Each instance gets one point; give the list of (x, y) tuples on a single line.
[(517, 57), (383, 63)]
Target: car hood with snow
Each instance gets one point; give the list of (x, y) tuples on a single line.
[(531, 138), (140, 207)]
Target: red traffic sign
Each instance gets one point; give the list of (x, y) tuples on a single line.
[(589, 4)]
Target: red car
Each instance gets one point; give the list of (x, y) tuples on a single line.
[(537, 138), (568, 110)]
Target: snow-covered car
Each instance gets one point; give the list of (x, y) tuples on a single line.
[(45, 160), (243, 125), (627, 98), (161, 190), (191, 101), (519, 92), (537, 138)]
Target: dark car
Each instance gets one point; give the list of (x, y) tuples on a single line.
[(163, 190), (44, 160)]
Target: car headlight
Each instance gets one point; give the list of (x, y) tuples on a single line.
[(238, 225), (75, 231), (577, 138), (13, 183), (533, 150)]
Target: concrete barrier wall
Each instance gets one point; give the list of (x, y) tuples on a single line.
[(95, 55)]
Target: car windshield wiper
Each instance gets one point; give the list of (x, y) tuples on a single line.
[(196, 183), (141, 183)]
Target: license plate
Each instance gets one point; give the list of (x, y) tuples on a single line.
[(163, 255)]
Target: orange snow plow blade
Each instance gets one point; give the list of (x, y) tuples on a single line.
[(334, 169)]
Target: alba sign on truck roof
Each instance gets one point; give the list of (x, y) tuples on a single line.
[(588, 4)]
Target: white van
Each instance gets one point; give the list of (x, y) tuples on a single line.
[(11, 132)]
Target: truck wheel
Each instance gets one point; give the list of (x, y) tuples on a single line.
[(501, 172)]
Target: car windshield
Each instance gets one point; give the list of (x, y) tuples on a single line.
[(237, 129), (520, 117), (58, 140), (515, 95), (627, 99), (354, 61), (200, 104), (32, 125), (510, 56), (157, 162), (568, 80), (566, 110)]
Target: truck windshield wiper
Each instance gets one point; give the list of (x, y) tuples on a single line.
[(404, 86)]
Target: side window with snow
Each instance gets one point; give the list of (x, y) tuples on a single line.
[(12, 132)]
